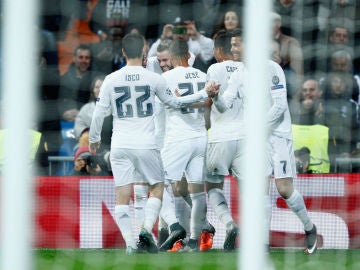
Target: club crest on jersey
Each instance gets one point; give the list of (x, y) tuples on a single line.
[(275, 80), (168, 92), (97, 99)]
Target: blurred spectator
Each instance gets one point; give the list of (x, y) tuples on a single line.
[(291, 56), (341, 116), (307, 107), (291, 78), (229, 20), (107, 54), (48, 115), (87, 164), (199, 45), (341, 62), (83, 119), (299, 20), (126, 14), (338, 39), (302, 157), (290, 51), (75, 84)]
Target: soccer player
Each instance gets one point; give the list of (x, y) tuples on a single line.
[(185, 141), (224, 150), (129, 93), (280, 148)]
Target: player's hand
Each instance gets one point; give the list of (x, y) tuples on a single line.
[(212, 89), (177, 93), (94, 147), (167, 31)]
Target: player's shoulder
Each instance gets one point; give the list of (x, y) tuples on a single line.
[(275, 67), (196, 71)]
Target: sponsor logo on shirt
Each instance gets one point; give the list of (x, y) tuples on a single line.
[(275, 80)]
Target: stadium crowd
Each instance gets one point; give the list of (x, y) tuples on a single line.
[(314, 44)]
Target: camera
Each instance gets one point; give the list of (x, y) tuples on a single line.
[(299, 167), (92, 161)]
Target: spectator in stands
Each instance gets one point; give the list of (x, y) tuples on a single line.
[(48, 115), (75, 84), (107, 55), (83, 119), (229, 20), (307, 106), (341, 61), (299, 20), (86, 164), (291, 56), (127, 14), (302, 157), (341, 116), (199, 45), (339, 39)]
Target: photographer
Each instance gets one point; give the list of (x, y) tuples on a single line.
[(302, 157), (87, 164)]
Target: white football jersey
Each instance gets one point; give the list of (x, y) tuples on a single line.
[(278, 114), (226, 126), (130, 93), (189, 122)]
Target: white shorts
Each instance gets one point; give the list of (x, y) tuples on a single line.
[(281, 159), (223, 156), (130, 164), (187, 157)]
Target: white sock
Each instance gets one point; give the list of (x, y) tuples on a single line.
[(183, 213), (198, 214), (167, 212), (220, 206), (268, 212), (140, 198), (152, 210), (123, 220), (297, 205)]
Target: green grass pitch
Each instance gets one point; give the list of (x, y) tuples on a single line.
[(106, 259)]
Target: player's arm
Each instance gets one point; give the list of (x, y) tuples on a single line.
[(225, 101), (101, 110), (166, 96), (279, 97)]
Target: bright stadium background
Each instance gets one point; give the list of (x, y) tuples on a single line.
[(63, 222)]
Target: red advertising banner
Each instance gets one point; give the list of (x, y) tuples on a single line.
[(77, 212)]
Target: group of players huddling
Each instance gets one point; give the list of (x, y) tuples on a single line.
[(177, 134)]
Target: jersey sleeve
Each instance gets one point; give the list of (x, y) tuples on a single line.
[(278, 94), (166, 96), (101, 109), (231, 93)]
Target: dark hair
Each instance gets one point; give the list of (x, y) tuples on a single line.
[(133, 45), (92, 85), (82, 46), (220, 24), (303, 154), (237, 32), (222, 40), (180, 48)]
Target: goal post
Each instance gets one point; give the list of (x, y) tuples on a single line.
[(252, 254), (19, 77)]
